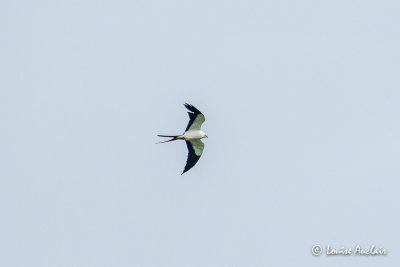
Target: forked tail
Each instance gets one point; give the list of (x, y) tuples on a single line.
[(174, 137)]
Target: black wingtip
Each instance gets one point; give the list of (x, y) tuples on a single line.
[(192, 108)]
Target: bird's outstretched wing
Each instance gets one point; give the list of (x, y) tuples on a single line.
[(195, 148), (196, 118)]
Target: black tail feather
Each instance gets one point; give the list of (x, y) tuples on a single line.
[(174, 137)]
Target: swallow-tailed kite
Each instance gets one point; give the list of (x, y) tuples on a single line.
[(192, 136)]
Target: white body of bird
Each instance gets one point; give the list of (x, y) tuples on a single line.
[(196, 134)]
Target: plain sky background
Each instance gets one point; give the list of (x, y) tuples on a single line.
[(302, 100)]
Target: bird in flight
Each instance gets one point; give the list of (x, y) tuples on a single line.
[(192, 136)]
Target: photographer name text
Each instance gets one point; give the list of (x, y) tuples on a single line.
[(358, 250)]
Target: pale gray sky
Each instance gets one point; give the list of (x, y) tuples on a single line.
[(302, 106)]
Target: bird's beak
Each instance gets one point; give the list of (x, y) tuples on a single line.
[(206, 136)]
